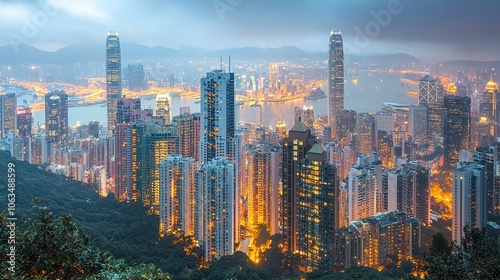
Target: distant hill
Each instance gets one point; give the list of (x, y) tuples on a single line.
[(385, 59), (475, 64)]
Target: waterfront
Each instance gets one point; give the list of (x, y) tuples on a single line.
[(371, 90)]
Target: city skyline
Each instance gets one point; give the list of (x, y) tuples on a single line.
[(371, 27)]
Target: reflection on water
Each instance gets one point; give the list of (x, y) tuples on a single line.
[(366, 95)]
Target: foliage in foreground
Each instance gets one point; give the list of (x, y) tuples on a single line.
[(52, 247)]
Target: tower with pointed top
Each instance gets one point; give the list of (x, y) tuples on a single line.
[(295, 147), (335, 80), (113, 78)]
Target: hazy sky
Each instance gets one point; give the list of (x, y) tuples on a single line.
[(445, 29)]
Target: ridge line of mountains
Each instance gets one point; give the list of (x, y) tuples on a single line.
[(24, 54)]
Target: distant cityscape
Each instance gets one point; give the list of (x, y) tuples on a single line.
[(219, 149)]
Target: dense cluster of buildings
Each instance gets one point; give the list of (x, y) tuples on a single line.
[(351, 191)]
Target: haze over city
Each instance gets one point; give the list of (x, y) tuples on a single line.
[(438, 30)]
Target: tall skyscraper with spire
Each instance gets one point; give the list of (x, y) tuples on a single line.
[(336, 79), (113, 78)]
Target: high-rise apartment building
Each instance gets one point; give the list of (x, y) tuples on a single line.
[(317, 210), (295, 147), (335, 79), (468, 198), (217, 217), (113, 78), (178, 195)]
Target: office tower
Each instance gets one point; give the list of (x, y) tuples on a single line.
[(24, 122), (417, 120), (56, 116), (123, 161), (374, 241), (300, 140), (262, 187), (365, 134), (456, 127), (335, 80), (346, 126), (385, 148), (489, 107), (217, 217), (299, 114), (317, 210), (281, 129), (365, 187), (188, 127), (435, 121), (163, 107), (468, 198), (136, 80), (39, 150), (177, 195), (217, 115), (8, 120), (94, 129), (308, 113), (113, 78), (427, 90)]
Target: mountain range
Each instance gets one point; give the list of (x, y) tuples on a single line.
[(22, 54)]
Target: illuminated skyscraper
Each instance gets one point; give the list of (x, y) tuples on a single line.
[(8, 119), (281, 129), (188, 127), (456, 128), (217, 217), (56, 116), (113, 78), (217, 115), (262, 185), (308, 113), (24, 122), (300, 140), (385, 148), (336, 79), (435, 121), (417, 122), (427, 90), (346, 126), (468, 198), (317, 210), (177, 195)]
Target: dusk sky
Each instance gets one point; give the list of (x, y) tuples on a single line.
[(441, 30)]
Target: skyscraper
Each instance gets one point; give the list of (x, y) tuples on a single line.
[(427, 90), (56, 116), (456, 128), (468, 198), (8, 119), (336, 79), (263, 185), (113, 78), (317, 210), (300, 140), (24, 122), (417, 121), (435, 121), (365, 134), (217, 217), (217, 115), (177, 195)]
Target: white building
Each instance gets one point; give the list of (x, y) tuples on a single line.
[(468, 198), (217, 219)]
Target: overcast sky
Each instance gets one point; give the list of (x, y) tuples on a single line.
[(445, 29)]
